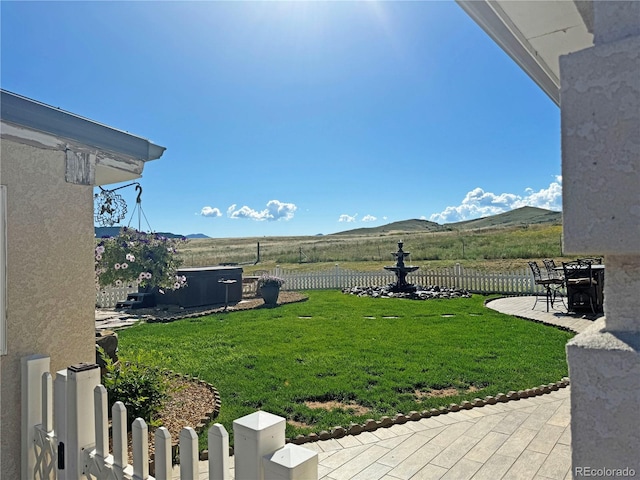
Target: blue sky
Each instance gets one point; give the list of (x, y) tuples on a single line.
[(296, 118)]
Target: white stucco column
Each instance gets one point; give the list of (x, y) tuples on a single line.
[(600, 110)]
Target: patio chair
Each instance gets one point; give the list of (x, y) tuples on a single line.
[(551, 285), (590, 260), (554, 274), (582, 288)]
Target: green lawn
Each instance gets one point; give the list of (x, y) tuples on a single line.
[(375, 353)]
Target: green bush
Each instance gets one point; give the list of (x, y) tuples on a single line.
[(142, 389)]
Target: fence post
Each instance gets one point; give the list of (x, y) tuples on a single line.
[(292, 462), (33, 368), (81, 381), (162, 457), (189, 468), (256, 435), (60, 415), (140, 449), (218, 452)]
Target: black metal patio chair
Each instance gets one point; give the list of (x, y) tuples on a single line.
[(551, 285), (553, 273)]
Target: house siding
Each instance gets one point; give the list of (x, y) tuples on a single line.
[(50, 276)]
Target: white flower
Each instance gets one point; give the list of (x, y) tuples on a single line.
[(98, 257), (118, 282), (176, 286), (99, 249), (124, 266), (147, 275), (130, 257), (117, 266)]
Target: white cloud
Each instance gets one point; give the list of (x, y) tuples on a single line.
[(210, 212), (347, 218), (369, 218), (478, 203), (276, 210)]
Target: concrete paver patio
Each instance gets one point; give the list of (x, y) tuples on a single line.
[(528, 438)]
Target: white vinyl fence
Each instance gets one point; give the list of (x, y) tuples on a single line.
[(65, 436), (517, 282)]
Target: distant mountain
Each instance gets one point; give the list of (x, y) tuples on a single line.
[(513, 218), (413, 225), (113, 231)]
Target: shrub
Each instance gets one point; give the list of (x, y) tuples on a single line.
[(141, 388)]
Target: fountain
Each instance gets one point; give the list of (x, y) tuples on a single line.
[(401, 271)]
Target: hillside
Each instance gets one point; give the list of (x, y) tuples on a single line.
[(413, 225), (513, 218)]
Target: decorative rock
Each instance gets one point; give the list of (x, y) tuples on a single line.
[(338, 432), (300, 439), (478, 402), (355, 429), (421, 293), (413, 415), (501, 397), (490, 400), (425, 414), (512, 395), (553, 386), (313, 437), (370, 425), (400, 418), (454, 407), (386, 421), (108, 341), (466, 405), (324, 435), (434, 412)]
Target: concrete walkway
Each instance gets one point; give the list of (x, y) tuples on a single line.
[(521, 439)]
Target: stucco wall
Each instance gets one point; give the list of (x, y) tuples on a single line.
[(50, 292)]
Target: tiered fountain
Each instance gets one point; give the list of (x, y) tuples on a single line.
[(401, 271)]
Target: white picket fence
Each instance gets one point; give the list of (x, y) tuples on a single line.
[(518, 282), (66, 437)]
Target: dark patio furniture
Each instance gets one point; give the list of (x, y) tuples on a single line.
[(138, 300), (551, 285), (552, 269), (583, 290), (590, 261)]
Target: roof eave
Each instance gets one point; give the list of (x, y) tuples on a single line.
[(120, 155), (503, 32)]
